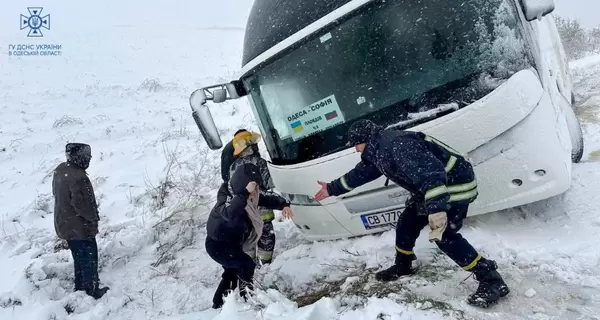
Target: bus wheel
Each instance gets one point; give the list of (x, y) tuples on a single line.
[(576, 134), (577, 152)]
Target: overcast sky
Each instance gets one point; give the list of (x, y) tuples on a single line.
[(587, 11)]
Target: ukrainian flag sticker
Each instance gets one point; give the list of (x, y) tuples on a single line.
[(297, 126)]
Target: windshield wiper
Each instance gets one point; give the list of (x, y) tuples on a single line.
[(425, 116)]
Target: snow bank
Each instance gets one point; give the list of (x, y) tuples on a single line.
[(591, 61), (586, 79)]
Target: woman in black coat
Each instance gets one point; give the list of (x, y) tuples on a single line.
[(229, 227)]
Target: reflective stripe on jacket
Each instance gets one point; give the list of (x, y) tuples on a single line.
[(433, 172)]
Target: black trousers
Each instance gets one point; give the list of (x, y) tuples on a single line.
[(456, 247), (236, 264), (85, 262)]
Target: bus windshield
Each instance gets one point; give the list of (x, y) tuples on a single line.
[(394, 62)]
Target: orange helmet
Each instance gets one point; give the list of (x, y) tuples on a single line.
[(244, 139)]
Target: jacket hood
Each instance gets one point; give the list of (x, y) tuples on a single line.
[(361, 131), (78, 154), (369, 154), (242, 175)]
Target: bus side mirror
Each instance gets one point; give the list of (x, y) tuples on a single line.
[(219, 95), (204, 119), (536, 9), (216, 93)]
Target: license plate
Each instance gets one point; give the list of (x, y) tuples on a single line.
[(381, 219)]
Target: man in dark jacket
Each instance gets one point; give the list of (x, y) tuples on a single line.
[(244, 149), (76, 216), (229, 227), (442, 183)]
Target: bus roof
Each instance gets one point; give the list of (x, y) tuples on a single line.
[(272, 21)]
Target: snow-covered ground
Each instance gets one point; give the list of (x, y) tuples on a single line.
[(123, 88)]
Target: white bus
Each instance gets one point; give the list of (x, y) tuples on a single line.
[(488, 77)]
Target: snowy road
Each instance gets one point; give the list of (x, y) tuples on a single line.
[(132, 108)]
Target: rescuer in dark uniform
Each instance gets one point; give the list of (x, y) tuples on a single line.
[(442, 184), (227, 157)]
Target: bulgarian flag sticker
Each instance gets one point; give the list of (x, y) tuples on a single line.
[(318, 116), (331, 115)]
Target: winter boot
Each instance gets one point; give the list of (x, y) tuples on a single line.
[(491, 285), (218, 302), (402, 267), (221, 291), (99, 292), (246, 289)]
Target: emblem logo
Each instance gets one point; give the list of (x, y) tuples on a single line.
[(35, 22)]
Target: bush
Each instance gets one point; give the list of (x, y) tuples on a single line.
[(577, 41)]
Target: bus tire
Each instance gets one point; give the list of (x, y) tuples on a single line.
[(576, 134), (577, 152)]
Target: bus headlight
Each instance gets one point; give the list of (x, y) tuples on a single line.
[(301, 199)]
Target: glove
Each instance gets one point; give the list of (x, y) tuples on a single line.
[(437, 223)]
